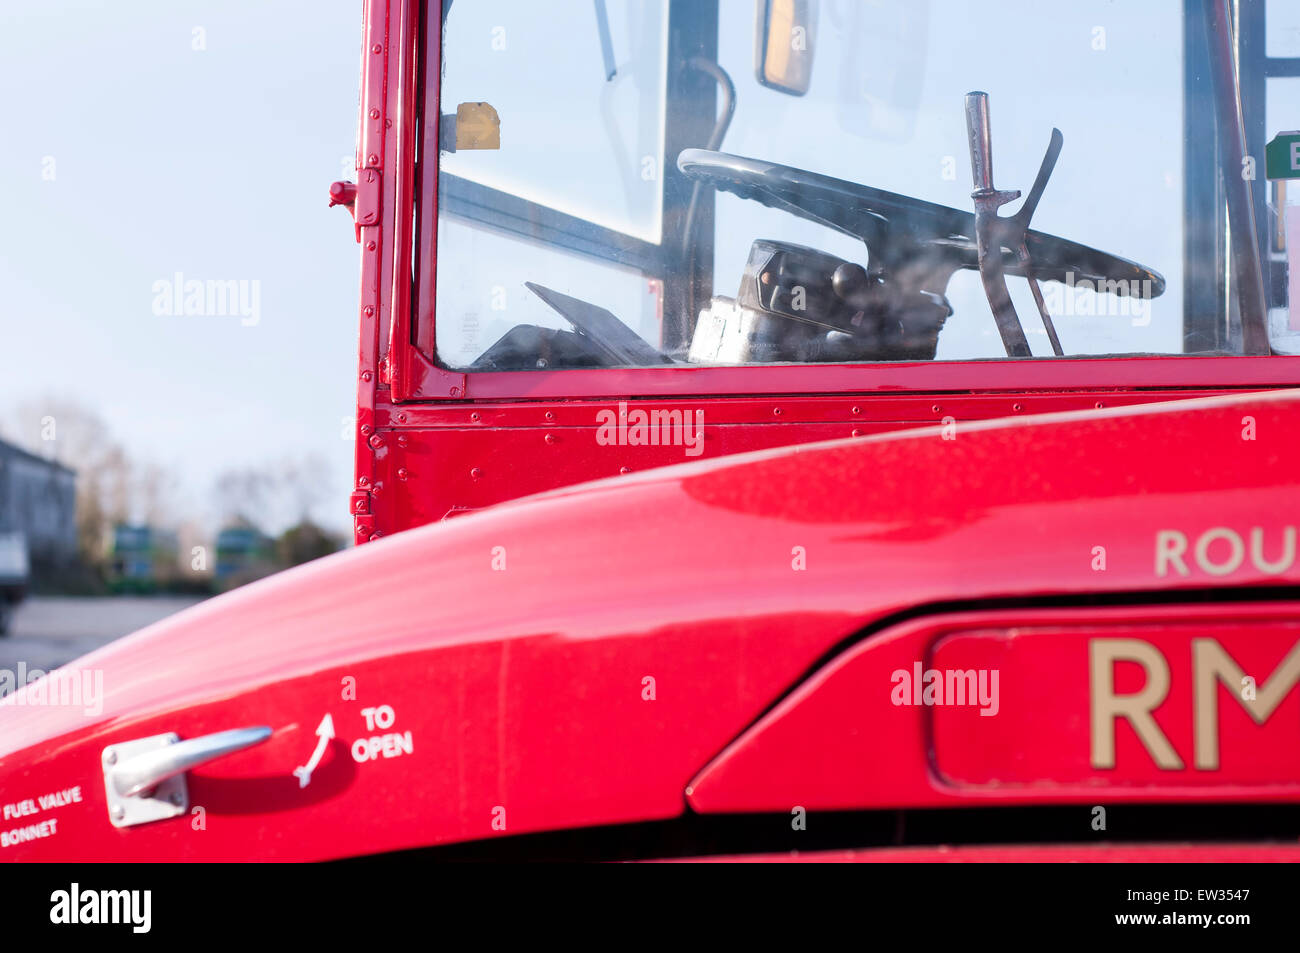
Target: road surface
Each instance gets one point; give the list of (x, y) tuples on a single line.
[(49, 631)]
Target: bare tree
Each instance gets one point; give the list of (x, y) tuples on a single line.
[(74, 435), (307, 484), (246, 495), (152, 492), (275, 494)]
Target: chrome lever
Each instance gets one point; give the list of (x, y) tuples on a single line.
[(992, 231), (146, 771), (989, 226), (144, 779), (980, 133)]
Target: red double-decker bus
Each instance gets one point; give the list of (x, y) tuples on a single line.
[(735, 448)]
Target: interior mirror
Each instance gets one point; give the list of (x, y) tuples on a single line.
[(784, 35)]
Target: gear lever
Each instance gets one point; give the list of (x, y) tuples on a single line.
[(993, 232)]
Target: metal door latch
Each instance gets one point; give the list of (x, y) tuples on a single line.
[(144, 780), (362, 199)]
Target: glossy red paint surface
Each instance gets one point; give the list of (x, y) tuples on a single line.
[(523, 687), (432, 460), (1178, 371), (872, 751)]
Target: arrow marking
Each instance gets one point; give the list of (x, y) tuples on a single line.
[(324, 732)]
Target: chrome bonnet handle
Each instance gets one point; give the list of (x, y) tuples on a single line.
[(145, 771)]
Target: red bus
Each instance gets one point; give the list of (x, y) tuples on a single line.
[(734, 448)]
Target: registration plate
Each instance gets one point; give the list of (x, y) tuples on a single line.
[(1178, 705)]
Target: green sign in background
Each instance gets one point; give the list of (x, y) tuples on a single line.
[(1282, 156)]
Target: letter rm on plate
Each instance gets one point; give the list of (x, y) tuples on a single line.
[(1172, 705)]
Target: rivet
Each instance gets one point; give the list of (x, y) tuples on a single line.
[(372, 159), (371, 247), (374, 113), (1100, 405), (376, 49), (454, 392), (935, 408), (550, 438), (401, 473), (365, 376), (1015, 407), (376, 441), (374, 490), (857, 410), (401, 440), (857, 433), (474, 416), (550, 415), (624, 469), (363, 481), (776, 411), (401, 418), (373, 537), (368, 311), (475, 472), (365, 430)]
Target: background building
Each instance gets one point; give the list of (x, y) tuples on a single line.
[(38, 498)]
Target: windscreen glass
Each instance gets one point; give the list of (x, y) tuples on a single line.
[(814, 181)]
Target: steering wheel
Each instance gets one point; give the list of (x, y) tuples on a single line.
[(910, 241)]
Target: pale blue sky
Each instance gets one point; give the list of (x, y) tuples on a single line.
[(215, 163)]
